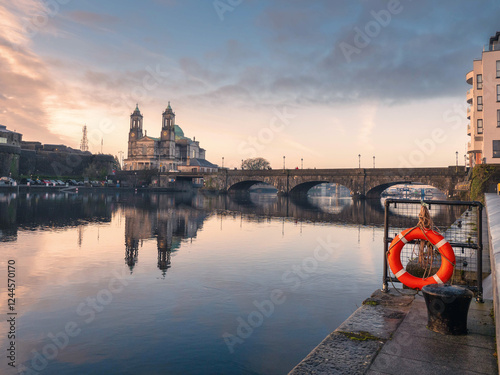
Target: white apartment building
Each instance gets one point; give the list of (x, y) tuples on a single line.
[(484, 109)]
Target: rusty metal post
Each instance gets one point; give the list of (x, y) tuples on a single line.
[(385, 286), (479, 253)]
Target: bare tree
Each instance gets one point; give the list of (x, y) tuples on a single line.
[(256, 164)]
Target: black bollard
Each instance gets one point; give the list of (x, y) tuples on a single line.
[(447, 308)]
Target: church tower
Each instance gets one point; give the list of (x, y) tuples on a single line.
[(135, 132), (167, 140)]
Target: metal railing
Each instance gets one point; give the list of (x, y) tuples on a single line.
[(460, 223), (491, 47)]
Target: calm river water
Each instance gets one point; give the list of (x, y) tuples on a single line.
[(181, 284)]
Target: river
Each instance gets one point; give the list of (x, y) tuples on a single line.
[(181, 283)]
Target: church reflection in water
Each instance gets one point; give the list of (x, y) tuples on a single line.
[(172, 218), (168, 219)]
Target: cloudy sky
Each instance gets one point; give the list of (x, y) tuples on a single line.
[(322, 81)]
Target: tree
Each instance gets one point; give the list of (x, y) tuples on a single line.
[(256, 164)]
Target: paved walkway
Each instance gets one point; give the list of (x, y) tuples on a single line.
[(413, 349), (388, 335)]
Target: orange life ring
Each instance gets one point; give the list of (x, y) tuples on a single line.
[(394, 257)]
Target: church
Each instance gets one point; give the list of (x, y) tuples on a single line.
[(172, 151)]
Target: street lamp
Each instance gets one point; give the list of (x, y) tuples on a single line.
[(223, 162), (241, 164), (456, 154), (301, 163), (374, 161), (465, 160), (284, 163), (359, 160)]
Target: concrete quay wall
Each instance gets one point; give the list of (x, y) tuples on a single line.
[(492, 202)]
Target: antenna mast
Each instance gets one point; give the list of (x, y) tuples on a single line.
[(84, 145)]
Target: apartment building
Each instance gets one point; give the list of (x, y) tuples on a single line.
[(484, 106)]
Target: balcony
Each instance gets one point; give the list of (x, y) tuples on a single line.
[(468, 112), (469, 77), (470, 96), (468, 130), (491, 47)]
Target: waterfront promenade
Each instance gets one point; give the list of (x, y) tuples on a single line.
[(388, 334)]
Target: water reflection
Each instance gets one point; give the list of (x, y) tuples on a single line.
[(175, 217), (199, 262), (169, 219)]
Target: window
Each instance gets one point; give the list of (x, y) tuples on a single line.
[(498, 93), (479, 81), (498, 68), (498, 118), (496, 149), (480, 126), (479, 103)]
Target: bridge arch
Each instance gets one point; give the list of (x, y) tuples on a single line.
[(376, 191), (303, 188)]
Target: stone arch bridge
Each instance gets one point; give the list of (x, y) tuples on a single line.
[(362, 182)]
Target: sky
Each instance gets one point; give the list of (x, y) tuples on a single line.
[(325, 83)]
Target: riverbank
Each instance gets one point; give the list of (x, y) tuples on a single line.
[(388, 335)]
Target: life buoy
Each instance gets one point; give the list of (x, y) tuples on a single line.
[(447, 257)]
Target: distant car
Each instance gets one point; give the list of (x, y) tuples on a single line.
[(7, 181)]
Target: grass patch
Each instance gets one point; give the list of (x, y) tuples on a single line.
[(371, 303), (360, 336)]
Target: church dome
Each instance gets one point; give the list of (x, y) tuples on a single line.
[(179, 133)]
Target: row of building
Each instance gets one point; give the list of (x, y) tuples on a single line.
[(484, 106), (171, 151), (18, 157)]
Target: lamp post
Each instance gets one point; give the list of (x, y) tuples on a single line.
[(121, 158), (284, 163), (373, 161), (465, 161), (223, 162), (456, 155), (301, 163), (359, 160), (241, 164)]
